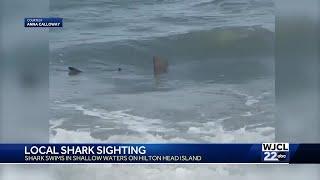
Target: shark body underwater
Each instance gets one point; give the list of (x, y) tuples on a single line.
[(160, 66)]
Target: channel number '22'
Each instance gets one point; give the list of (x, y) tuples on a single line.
[(270, 156)]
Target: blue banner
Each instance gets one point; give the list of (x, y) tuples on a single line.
[(43, 22), (160, 153)]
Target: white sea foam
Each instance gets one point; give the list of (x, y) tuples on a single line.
[(251, 101), (132, 122), (211, 131), (152, 130), (56, 123), (247, 114), (214, 132)]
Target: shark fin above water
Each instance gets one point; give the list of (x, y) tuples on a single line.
[(74, 71)]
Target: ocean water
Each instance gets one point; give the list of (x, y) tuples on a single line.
[(219, 88)]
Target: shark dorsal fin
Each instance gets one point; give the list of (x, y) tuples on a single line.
[(74, 71)]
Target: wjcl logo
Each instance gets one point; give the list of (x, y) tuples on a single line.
[(275, 152)]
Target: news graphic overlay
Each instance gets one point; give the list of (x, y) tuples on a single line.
[(43, 22), (275, 152), (266, 153)]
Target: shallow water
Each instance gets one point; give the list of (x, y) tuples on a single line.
[(219, 88)]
